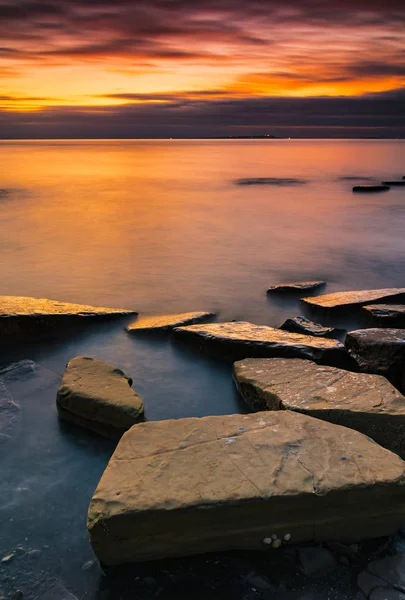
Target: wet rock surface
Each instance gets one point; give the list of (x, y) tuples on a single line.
[(269, 181), (99, 396), (219, 483), (9, 414), (308, 327), (386, 315), (239, 339), (296, 287), (370, 188), (168, 322), (349, 300)]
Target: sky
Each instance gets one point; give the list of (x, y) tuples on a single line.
[(202, 68)]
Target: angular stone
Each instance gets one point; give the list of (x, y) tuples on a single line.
[(9, 413), (348, 300), (305, 326), (380, 351), (296, 286), (24, 316), (316, 562), (386, 315), (386, 593), (168, 322), (98, 396), (391, 569), (236, 340), (368, 582), (191, 486), (368, 403)]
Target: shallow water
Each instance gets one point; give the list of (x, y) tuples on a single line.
[(161, 226)]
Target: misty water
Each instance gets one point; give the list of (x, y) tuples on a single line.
[(161, 227)]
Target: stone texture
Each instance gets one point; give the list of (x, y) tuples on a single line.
[(391, 569), (168, 322), (308, 327), (368, 582), (316, 562), (296, 286), (347, 300), (99, 396), (192, 486), (10, 414), (236, 340), (371, 188), (386, 315), (380, 351), (385, 593), (368, 403), (36, 317)]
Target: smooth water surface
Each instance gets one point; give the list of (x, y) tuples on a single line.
[(163, 226)]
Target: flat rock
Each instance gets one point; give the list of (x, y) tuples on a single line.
[(380, 351), (308, 327), (99, 396), (386, 593), (295, 287), (391, 569), (236, 340), (394, 182), (386, 315), (368, 582), (368, 403), (347, 300), (197, 485), (168, 322), (371, 188), (21, 315)]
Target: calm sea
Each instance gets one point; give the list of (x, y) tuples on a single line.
[(160, 227)]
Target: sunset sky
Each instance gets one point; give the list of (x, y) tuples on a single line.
[(190, 68)]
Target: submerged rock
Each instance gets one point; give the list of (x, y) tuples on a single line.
[(191, 486), (347, 300), (98, 396), (236, 340), (295, 287), (380, 351), (24, 316), (304, 325), (368, 403), (168, 322), (270, 181), (371, 188), (386, 315), (9, 413), (398, 182)]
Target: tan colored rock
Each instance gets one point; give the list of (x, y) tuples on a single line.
[(190, 486), (98, 396), (168, 322), (368, 403), (295, 287), (236, 340), (36, 317), (346, 300), (306, 326)]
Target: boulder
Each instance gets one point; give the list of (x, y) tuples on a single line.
[(349, 300), (236, 340), (316, 562), (37, 317), (168, 322), (304, 325), (295, 287), (368, 403), (197, 485), (371, 188), (386, 315), (380, 351), (98, 396)]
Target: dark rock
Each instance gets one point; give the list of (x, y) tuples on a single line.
[(391, 569), (304, 325), (368, 582), (295, 287), (269, 181), (10, 413), (386, 315), (168, 322), (236, 340), (18, 595), (316, 562), (397, 183), (99, 396), (385, 593), (348, 300), (371, 188), (258, 582)]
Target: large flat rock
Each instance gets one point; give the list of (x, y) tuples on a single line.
[(24, 316), (380, 351), (191, 486), (168, 322), (296, 287), (386, 315), (348, 300), (368, 403), (306, 326), (98, 396), (236, 340)]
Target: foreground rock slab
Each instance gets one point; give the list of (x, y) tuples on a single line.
[(98, 396), (386, 315), (168, 322), (190, 486), (342, 300), (295, 287), (368, 403), (240, 339), (380, 351), (308, 327), (21, 315)]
